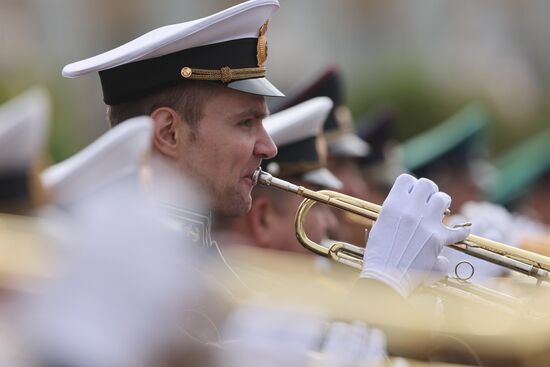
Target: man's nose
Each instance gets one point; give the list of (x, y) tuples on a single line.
[(264, 147)]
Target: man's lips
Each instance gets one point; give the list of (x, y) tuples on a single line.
[(249, 177)]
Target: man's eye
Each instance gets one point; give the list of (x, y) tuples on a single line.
[(246, 123)]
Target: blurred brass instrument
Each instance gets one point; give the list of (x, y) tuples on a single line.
[(522, 261)]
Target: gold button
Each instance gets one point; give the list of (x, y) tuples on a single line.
[(186, 72)]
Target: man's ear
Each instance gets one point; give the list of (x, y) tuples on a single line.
[(165, 131), (261, 221)]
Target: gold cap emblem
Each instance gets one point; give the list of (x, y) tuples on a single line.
[(261, 53)]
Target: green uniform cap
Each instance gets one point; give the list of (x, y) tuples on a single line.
[(459, 137), (520, 167)]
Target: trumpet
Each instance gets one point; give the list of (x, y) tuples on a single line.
[(522, 261)]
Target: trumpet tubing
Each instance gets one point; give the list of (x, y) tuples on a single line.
[(523, 261)]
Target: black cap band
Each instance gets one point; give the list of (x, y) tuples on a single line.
[(134, 80), (329, 84), (14, 185), (296, 158)]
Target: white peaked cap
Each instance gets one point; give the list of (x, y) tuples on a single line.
[(242, 21), (299, 123), (24, 123), (114, 155), (323, 177), (349, 145)]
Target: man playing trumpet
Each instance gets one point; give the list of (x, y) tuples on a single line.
[(205, 91)]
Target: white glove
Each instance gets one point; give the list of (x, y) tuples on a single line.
[(490, 221), (408, 236), (288, 338), (353, 345), (525, 227), (275, 337), (440, 269)]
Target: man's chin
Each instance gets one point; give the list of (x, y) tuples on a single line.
[(234, 207)]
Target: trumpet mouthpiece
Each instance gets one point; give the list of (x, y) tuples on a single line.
[(262, 177)]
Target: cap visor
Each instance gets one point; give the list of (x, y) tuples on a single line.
[(323, 177), (259, 86), (348, 145)]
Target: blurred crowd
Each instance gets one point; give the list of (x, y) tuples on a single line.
[(175, 237)]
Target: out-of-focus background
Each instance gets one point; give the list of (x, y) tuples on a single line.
[(426, 58)]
